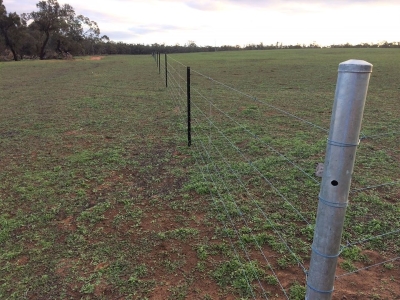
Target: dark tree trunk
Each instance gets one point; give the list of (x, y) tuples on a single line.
[(65, 52), (42, 50), (14, 53), (59, 47), (9, 44)]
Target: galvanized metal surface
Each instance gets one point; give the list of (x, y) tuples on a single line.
[(348, 107)]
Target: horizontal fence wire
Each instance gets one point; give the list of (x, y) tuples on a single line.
[(209, 140), (243, 186), (233, 224), (170, 57), (397, 182), (262, 102), (368, 267), (179, 99), (258, 138), (220, 177), (363, 241), (232, 171), (376, 136), (362, 136), (236, 232), (253, 166)]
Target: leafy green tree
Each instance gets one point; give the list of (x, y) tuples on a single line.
[(79, 33), (11, 27), (60, 29), (52, 18)]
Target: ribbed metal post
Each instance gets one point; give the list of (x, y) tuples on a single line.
[(348, 107)]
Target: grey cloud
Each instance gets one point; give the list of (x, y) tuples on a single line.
[(94, 15), (215, 4), (120, 35), (20, 6), (323, 2), (141, 30), (146, 29), (203, 5), (138, 31)]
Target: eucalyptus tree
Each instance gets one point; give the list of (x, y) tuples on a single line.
[(59, 26), (49, 19), (80, 34), (11, 27)]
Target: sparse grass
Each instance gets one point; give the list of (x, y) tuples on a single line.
[(238, 275), (297, 291), (100, 197)]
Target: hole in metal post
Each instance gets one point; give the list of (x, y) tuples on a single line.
[(334, 183)]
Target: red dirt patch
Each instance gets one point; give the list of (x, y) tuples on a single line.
[(96, 57), (101, 266), (377, 282), (73, 132), (64, 266), (23, 260), (103, 289), (67, 224)]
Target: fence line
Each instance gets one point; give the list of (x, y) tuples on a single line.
[(379, 135), (255, 168), (256, 99), (260, 210), (375, 186), (232, 224), (178, 62), (264, 103), (228, 214), (257, 138), (179, 87), (241, 213), (354, 190), (218, 171), (289, 114), (230, 240), (349, 245), (230, 218), (171, 67), (368, 267)]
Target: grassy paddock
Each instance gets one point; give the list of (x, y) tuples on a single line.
[(100, 198)]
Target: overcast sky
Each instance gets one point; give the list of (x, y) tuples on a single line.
[(238, 22)]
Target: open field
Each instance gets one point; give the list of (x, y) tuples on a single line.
[(100, 197)]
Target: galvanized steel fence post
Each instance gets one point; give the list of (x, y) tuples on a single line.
[(348, 107)]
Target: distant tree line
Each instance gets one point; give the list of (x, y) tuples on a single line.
[(55, 31), (111, 47), (124, 48)]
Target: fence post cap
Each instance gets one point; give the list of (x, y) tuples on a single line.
[(355, 66)]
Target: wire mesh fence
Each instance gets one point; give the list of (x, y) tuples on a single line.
[(258, 160)]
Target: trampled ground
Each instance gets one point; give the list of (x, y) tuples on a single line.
[(100, 197)]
